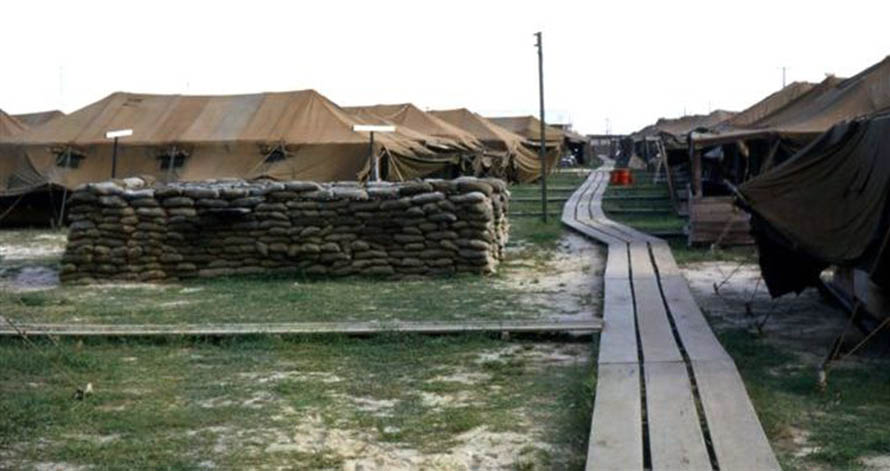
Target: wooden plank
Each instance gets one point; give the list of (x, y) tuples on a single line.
[(664, 259), (618, 340), (616, 429), (617, 262), (736, 434), (640, 264), (675, 437), (698, 339), (656, 336), (421, 327)]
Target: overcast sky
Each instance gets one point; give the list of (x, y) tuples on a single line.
[(625, 62)]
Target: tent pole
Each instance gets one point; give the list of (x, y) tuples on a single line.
[(541, 149), (375, 170), (114, 159), (65, 187), (170, 161)]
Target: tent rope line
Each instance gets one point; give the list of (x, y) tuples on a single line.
[(668, 395)]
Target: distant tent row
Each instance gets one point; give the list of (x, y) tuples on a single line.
[(706, 157)]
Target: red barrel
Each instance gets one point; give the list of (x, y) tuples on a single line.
[(621, 177), (626, 177)]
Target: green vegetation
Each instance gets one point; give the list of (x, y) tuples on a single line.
[(829, 429), (291, 298), (619, 199), (304, 403), (270, 299), (526, 197), (291, 402)]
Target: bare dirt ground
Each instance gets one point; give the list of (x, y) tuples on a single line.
[(803, 323), (567, 285), (28, 259)]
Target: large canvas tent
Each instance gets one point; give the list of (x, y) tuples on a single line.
[(285, 135), (504, 149), (829, 204)]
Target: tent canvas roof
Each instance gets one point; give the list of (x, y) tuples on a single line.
[(36, 119), (492, 135), (832, 101), (528, 127), (299, 117), (10, 126), (409, 116), (769, 105), (497, 139), (221, 137)]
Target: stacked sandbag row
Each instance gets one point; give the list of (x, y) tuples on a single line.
[(126, 230)]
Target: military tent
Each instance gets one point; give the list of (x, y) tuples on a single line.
[(285, 135), (504, 148)]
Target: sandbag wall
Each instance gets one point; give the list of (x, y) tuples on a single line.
[(126, 230)]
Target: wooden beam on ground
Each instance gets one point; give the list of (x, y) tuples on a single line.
[(351, 328), (616, 429)]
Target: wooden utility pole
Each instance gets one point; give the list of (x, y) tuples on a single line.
[(542, 151)]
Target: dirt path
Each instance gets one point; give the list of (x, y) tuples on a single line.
[(804, 323)]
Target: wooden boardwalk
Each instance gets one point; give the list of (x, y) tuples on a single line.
[(668, 396)]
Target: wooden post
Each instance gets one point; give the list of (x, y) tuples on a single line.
[(542, 151), (695, 157)]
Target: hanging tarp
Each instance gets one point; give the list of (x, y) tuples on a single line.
[(826, 205)]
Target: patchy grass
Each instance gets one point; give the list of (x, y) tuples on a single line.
[(309, 403), (295, 298), (642, 187), (270, 299), (811, 428), (686, 255)]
